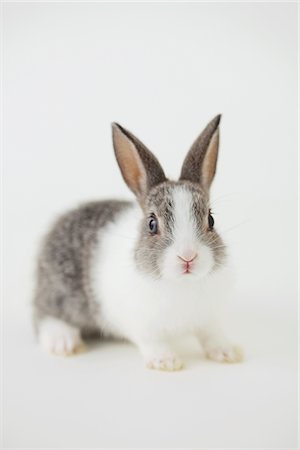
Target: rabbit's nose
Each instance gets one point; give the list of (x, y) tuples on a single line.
[(187, 262), (187, 258)]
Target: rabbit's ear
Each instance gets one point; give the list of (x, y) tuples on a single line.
[(139, 167), (200, 163)]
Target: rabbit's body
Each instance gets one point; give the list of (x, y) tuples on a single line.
[(64, 288), (149, 273)]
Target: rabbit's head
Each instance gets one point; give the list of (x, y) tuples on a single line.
[(177, 236)]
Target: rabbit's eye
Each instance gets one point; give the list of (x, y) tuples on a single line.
[(211, 221), (153, 225)]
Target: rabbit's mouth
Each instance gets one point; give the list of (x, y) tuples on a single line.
[(187, 262), (188, 265)]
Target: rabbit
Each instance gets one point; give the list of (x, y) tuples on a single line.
[(149, 271)]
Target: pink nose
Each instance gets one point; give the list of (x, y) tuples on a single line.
[(188, 260)]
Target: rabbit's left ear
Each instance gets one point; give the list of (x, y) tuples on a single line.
[(139, 167), (200, 163)]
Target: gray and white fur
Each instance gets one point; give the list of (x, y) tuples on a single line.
[(148, 271)]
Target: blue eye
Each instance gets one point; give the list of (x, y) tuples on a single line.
[(153, 225)]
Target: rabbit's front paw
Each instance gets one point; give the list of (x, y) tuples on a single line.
[(59, 338), (225, 353), (169, 363)]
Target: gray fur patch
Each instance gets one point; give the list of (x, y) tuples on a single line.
[(63, 274), (149, 248)]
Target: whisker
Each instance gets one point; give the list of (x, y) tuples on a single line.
[(222, 197), (236, 226), (121, 236)]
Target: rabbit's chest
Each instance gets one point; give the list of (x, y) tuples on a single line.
[(134, 306)]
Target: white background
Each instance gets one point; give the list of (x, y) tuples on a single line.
[(163, 71)]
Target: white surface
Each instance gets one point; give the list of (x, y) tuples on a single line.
[(162, 70), (106, 398)]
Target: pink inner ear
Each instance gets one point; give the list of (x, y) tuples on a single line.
[(132, 173), (210, 160), (130, 163)]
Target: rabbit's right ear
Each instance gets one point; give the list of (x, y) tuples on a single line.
[(200, 163), (139, 167)]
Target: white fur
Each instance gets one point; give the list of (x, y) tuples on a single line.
[(148, 311), (58, 337), (186, 241)]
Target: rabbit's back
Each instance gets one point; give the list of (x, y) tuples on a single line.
[(64, 288)]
